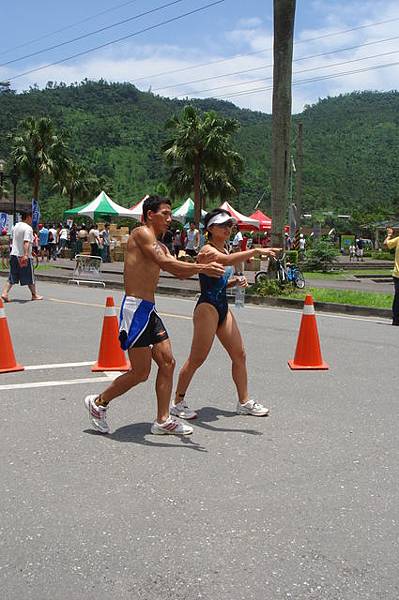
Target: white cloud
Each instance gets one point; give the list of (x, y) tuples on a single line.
[(142, 62)]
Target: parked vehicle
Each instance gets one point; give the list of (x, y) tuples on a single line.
[(288, 274)]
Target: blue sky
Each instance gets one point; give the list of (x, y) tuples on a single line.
[(220, 32)]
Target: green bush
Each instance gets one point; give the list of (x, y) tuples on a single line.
[(271, 287), (321, 257), (292, 257), (383, 255)]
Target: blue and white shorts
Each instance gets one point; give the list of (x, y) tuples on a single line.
[(139, 324)]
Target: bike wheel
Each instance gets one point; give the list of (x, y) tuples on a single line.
[(261, 276), (299, 280)]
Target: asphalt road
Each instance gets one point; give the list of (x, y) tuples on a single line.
[(303, 504)]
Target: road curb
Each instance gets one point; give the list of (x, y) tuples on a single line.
[(331, 307)]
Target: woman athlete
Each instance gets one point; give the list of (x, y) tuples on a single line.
[(213, 317)]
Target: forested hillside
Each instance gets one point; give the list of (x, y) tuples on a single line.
[(351, 143)]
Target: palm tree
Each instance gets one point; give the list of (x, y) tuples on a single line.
[(38, 151), (76, 182), (201, 157), (284, 18)]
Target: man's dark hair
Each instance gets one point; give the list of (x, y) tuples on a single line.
[(192, 223), (153, 203), (25, 214)]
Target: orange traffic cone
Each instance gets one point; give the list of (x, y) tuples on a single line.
[(111, 356), (7, 357), (308, 353)]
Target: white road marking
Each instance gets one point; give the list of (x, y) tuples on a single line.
[(59, 366), (39, 384), (162, 314), (253, 307)]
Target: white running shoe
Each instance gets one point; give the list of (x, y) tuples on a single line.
[(183, 411), (252, 408), (97, 414), (171, 427)]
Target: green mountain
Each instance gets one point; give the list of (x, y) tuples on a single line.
[(351, 143)]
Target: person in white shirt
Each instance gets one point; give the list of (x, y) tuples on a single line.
[(21, 267), (236, 246), (63, 239), (52, 243), (192, 241)]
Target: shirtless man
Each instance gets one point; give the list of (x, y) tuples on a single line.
[(142, 332)]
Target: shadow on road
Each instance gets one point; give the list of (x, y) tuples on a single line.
[(210, 414), (137, 433)]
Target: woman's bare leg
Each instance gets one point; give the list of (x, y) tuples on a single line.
[(230, 338), (205, 325)]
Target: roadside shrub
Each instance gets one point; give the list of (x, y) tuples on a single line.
[(292, 256), (383, 255), (321, 257), (271, 287)]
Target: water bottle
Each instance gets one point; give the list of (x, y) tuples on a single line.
[(239, 295)]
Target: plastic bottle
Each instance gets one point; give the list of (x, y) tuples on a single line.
[(239, 295)]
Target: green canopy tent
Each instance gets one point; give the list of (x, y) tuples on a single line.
[(100, 207), (185, 212)]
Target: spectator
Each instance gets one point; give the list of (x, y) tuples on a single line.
[(62, 240), (177, 242), (352, 252), (359, 249), (192, 242), (106, 239), (73, 238), (167, 239), (82, 238), (5, 249), (302, 246), (21, 268), (393, 243), (236, 246), (43, 241), (94, 240), (52, 243)]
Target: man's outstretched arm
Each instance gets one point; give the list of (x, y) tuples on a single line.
[(167, 262)]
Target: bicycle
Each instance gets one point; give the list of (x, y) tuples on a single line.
[(284, 274)]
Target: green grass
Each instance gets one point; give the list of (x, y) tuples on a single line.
[(343, 275), (41, 267), (371, 299)]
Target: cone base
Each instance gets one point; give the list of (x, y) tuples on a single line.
[(295, 367), (12, 369), (96, 367)]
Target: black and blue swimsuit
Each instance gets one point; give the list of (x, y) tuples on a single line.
[(213, 291)]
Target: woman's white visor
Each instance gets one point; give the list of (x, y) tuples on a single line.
[(221, 219)]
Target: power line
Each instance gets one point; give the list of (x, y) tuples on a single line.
[(312, 80), (346, 62), (125, 37), (244, 71), (86, 35), (46, 35), (214, 62)]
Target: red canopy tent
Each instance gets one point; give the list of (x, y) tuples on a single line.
[(265, 222)]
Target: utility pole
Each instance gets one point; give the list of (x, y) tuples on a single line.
[(299, 174), (284, 19)]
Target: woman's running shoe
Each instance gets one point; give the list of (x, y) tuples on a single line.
[(97, 414), (171, 427), (182, 411), (252, 408)]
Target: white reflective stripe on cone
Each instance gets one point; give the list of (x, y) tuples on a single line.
[(2, 313), (110, 311), (308, 309)]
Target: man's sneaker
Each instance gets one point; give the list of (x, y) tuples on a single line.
[(252, 408), (97, 414), (183, 411), (171, 427)]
